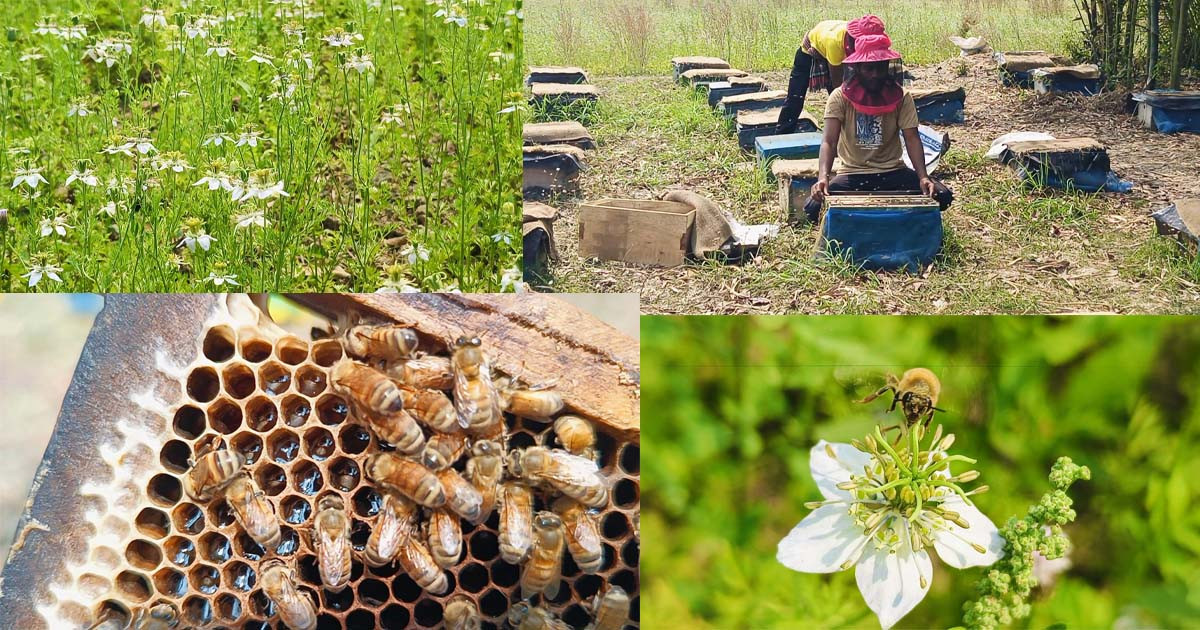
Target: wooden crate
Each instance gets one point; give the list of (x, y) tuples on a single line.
[(642, 231)]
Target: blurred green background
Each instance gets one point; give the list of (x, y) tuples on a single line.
[(732, 406)]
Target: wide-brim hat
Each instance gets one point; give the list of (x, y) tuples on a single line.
[(865, 25), (872, 48)]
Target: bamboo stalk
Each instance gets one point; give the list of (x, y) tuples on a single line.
[(1152, 43), (1177, 41)]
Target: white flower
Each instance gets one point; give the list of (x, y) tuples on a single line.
[(502, 237), (886, 538), (46, 26), (124, 149), (83, 175), (395, 115), (297, 58), (452, 16), (79, 108), (216, 139), (362, 63), (258, 186), (413, 255), (254, 218), (153, 18), (175, 163), (203, 240), (36, 272), (340, 38), (31, 54), (52, 226), (30, 177), (196, 29), (110, 208), (508, 110), (512, 279), (218, 280), (73, 32), (220, 49), (263, 59), (105, 51), (143, 145), (249, 137)]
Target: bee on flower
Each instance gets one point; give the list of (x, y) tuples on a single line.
[(57, 225), (83, 175), (360, 62), (30, 177), (339, 38), (153, 18)]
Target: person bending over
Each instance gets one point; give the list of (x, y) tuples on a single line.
[(863, 122), (818, 63)]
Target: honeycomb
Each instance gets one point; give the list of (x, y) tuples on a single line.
[(266, 393)]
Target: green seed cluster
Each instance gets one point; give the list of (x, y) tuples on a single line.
[(1004, 590)]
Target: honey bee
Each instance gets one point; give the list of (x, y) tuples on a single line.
[(419, 565), (253, 512), (397, 517), (398, 429), (576, 435), (475, 395), (296, 608), (445, 537), (396, 474), (370, 389), (542, 571), (443, 449), (484, 470), (214, 469), (571, 475), (431, 407), (537, 403), (461, 497), (610, 609), (516, 521), (917, 392), (583, 534), (331, 542), (389, 342), (462, 614), (424, 372), (524, 616)]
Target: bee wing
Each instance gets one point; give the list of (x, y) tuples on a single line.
[(463, 401), (332, 546), (445, 532), (586, 534), (572, 469), (392, 534)]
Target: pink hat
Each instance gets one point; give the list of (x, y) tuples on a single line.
[(870, 48), (865, 25)]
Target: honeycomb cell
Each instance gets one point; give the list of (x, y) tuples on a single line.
[(197, 610), (473, 577), (188, 422), (427, 613), (291, 350), (249, 445), (135, 585), (587, 585), (164, 489), (295, 510), (180, 551), (254, 349), (626, 579), (203, 384), (385, 571), (373, 593), (188, 518), (367, 502), (283, 446), (113, 609), (257, 625), (229, 608), (204, 578), (360, 619), (143, 554), (219, 513), (152, 522), (521, 440), (326, 352), (318, 443), (606, 449), (274, 378), (610, 557), (215, 548), (625, 493), (238, 380), (306, 478), (289, 542), (240, 577), (332, 410), (354, 439), (344, 474), (261, 606), (296, 410), (224, 416), (170, 583), (340, 601), (493, 603), (174, 456), (247, 547), (615, 526), (576, 616), (504, 574), (394, 617), (310, 380), (483, 545), (631, 459), (270, 478), (261, 414), (630, 553), (405, 589), (562, 595), (218, 345), (308, 571)]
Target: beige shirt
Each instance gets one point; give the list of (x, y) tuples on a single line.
[(870, 144)]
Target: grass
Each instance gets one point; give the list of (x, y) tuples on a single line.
[(625, 37), (395, 151)]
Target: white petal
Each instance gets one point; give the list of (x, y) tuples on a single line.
[(821, 543), (957, 552), (892, 582), (829, 472), (34, 278)]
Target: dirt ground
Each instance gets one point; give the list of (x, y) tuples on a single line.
[(1008, 249)]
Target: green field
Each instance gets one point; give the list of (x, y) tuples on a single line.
[(191, 146), (733, 406), (629, 37)]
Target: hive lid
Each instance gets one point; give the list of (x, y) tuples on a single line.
[(1082, 71), (881, 201), (555, 70), (535, 211), (801, 169), (754, 97), (932, 92), (701, 74), (700, 62), (1059, 145), (563, 132), (770, 116), (556, 89), (540, 150)]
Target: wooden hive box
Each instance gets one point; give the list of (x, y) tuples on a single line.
[(680, 65), (549, 170), (557, 98), (940, 105), (734, 86), (881, 232), (108, 529), (555, 74), (641, 231), (1168, 111), (564, 132), (1081, 79), (796, 179), (790, 146), (699, 77), (754, 123), (1016, 67), (767, 99), (1067, 163)]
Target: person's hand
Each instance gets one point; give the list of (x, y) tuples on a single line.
[(820, 189), (927, 186)]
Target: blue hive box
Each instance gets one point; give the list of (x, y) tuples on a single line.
[(555, 74), (939, 105), (718, 90), (1067, 163), (792, 146), (731, 105), (752, 124), (1169, 111), (1083, 79), (888, 233), (1016, 68)]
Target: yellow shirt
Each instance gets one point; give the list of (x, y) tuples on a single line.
[(870, 144), (828, 39)]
